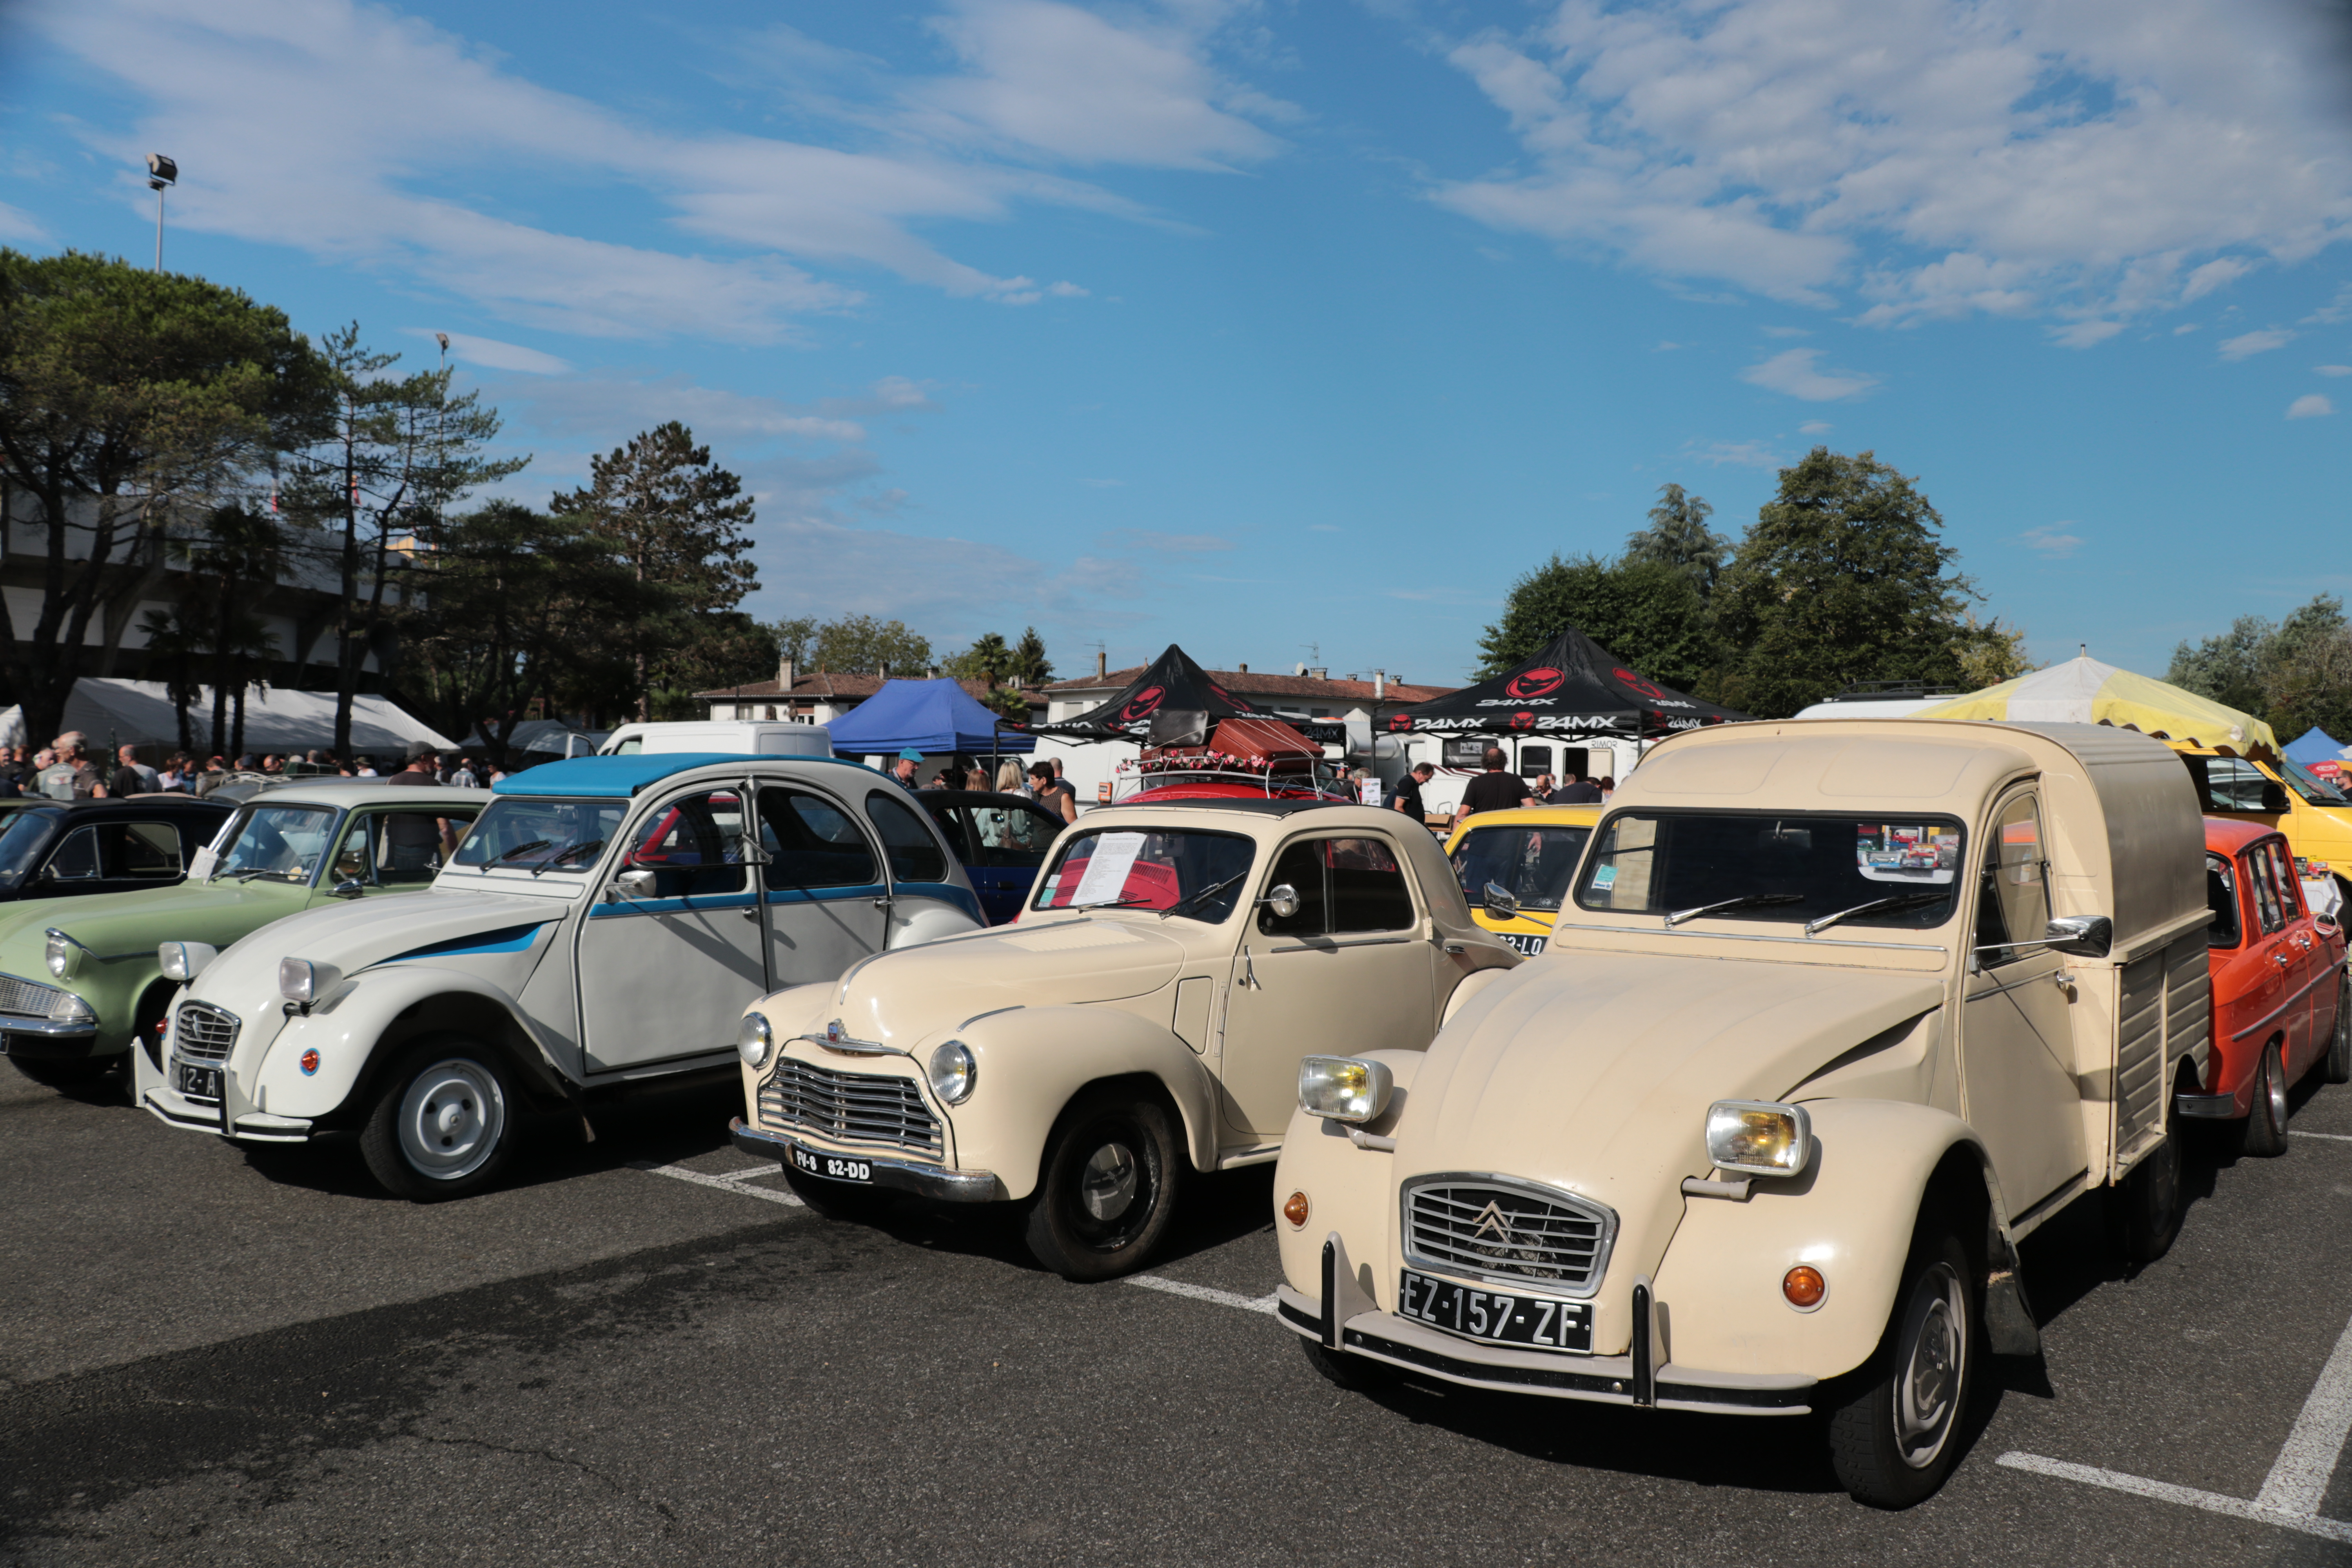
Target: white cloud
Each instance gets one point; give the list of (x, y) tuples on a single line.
[(1794, 371), (2333, 369), (2184, 329), (2088, 161), (1164, 544), (492, 354), (2247, 344), (2053, 542), (2337, 310), (2310, 406), (1733, 454), (1815, 427), (606, 408), (21, 226), (1787, 331)]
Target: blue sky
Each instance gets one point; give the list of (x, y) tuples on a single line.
[(1293, 332)]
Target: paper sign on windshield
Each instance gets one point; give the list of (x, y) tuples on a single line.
[(1107, 868), (1890, 852)]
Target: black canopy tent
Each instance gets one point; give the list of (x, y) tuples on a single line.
[(1174, 692), (1573, 688)]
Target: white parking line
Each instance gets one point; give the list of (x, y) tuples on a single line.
[(1204, 1293), (732, 1182), (2297, 1483), (2331, 1137)]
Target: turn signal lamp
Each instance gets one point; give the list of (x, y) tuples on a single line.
[(1804, 1287), (753, 1042), (1344, 1088), (1294, 1211), (1758, 1138)]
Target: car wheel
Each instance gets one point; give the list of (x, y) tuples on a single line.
[(2144, 1208), (1107, 1187), (844, 1202), (2335, 1067), (1356, 1374), (2264, 1131), (1897, 1438), (444, 1124)]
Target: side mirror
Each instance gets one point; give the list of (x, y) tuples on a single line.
[(1500, 905), (2082, 936), (635, 884), (1283, 900), (349, 888)]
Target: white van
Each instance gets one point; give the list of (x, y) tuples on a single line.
[(750, 737)]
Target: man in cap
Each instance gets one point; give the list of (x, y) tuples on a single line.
[(903, 770)]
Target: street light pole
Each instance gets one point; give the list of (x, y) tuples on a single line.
[(160, 171)]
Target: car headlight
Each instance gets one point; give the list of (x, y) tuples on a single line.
[(184, 961), (1759, 1137), (753, 1041), (952, 1072), (303, 982), (65, 1007), (64, 954), (1344, 1088)]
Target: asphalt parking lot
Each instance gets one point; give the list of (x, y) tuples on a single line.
[(639, 1350)]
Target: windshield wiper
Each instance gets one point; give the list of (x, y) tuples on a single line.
[(1184, 904), (569, 850), (1113, 904), (294, 874), (1894, 901), (1745, 900), (517, 849)]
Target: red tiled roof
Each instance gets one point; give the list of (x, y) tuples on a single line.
[(819, 687), (1255, 683)]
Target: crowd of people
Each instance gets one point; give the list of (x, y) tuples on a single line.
[(1041, 781), (67, 769)]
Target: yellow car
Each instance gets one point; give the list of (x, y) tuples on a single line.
[(1530, 853), (2315, 816)]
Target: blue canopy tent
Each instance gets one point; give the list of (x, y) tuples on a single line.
[(2314, 745), (936, 718)]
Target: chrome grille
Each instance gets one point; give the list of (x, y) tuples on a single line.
[(849, 1107), (202, 1033), (24, 998), (1492, 1228)]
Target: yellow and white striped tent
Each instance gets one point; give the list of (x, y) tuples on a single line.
[(2084, 691)]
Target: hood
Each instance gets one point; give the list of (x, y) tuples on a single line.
[(219, 913), (901, 996), (364, 932), (1594, 1071)]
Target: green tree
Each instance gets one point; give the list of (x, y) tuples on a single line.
[(129, 400), (864, 643), (680, 521), (987, 658), (1990, 653), (2227, 668), (2292, 674), (1029, 665), (1647, 612), (725, 647), (1843, 577), (1678, 537), (795, 638)]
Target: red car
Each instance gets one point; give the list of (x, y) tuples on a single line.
[(2279, 1006)]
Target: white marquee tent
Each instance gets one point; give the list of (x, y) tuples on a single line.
[(136, 712)]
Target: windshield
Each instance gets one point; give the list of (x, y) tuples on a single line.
[(22, 835), (1157, 870), (2315, 790), (1532, 864), (524, 833), (1782, 867), (276, 844)]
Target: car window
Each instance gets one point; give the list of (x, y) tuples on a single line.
[(914, 854), (813, 843), (1345, 886), (2222, 898), (1301, 868), (1532, 864), (2232, 783), (1790, 868), (2013, 897), (1199, 873), (75, 860), (277, 843), (955, 826), (141, 851), (1011, 834), (22, 839), (2310, 786), (2258, 882), (2282, 870), (399, 848), (531, 833), (693, 844)]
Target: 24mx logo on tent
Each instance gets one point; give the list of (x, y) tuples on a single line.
[(1532, 683), (1636, 683), (1143, 703)]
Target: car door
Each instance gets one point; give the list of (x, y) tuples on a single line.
[(114, 856), (1349, 972), (2300, 955), (827, 905), (1012, 841), (669, 976), (2017, 1051)]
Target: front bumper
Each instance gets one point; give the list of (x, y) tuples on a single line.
[(175, 1110), (904, 1175), (46, 1039)]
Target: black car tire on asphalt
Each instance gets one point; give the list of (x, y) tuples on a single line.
[(1357, 1375), (1895, 1435), (446, 1103), (2335, 1067), (2263, 1130), (843, 1202), (2144, 1208), (1107, 1186)]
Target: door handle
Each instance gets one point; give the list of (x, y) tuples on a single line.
[(752, 913), (883, 902)]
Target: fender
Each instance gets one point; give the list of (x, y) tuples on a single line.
[(1030, 1062), (796, 1010), (1349, 1188), (1472, 983), (916, 919), (1850, 1216), (377, 1010)]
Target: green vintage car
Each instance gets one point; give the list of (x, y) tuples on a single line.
[(80, 982)]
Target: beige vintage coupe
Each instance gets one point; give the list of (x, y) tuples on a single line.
[(1143, 1018), (1834, 1013)]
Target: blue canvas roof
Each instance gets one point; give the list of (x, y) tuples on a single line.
[(2314, 745), (617, 776), (932, 717)]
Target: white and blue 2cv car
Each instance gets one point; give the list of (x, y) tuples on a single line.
[(605, 922)]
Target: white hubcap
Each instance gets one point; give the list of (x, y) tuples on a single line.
[(452, 1119)]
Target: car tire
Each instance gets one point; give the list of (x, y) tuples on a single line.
[(1356, 1374), (2262, 1132), (1896, 1435), (2335, 1067), (1107, 1187), (2144, 1208), (443, 1124), (842, 1201)]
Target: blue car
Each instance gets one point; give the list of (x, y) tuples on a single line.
[(1002, 840)]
